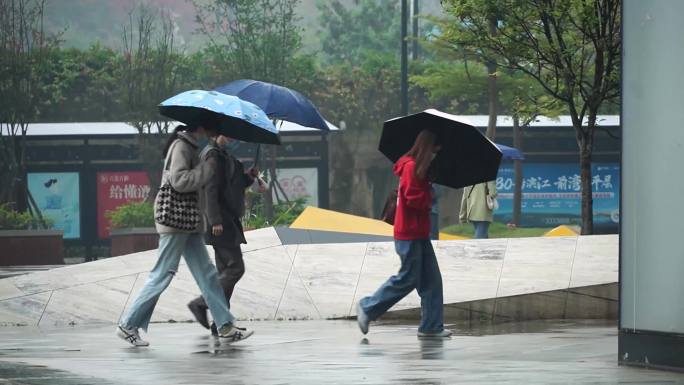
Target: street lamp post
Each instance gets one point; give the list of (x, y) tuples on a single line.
[(404, 57)]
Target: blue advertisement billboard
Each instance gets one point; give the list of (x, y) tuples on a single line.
[(552, 195), (57, 197)]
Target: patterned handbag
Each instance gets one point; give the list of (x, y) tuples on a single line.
[(174, 209)]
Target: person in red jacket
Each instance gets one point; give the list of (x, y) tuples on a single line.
[(419, 269)]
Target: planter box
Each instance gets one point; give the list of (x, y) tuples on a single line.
[(31, 247), (133, 240)]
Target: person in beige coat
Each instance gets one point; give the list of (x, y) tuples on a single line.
[(474, 208), (184, 173)]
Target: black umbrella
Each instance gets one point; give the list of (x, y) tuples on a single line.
[(467, 157)]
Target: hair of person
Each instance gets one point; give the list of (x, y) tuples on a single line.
[(174, 135), (421, 152), (211, 126)]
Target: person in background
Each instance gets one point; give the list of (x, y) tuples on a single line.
[(419, 269), (185, 174), (474, 208), (224, 195)]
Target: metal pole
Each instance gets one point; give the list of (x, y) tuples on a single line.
[(404, 57), (416, 47)]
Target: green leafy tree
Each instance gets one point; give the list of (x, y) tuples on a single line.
[(153, 69), (455, 77), (351, 32), (363, 97), (570, 47), (256, 39), (360, 87), (84, 85), (25, 49)]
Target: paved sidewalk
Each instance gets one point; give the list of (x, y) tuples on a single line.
[(314, 352)]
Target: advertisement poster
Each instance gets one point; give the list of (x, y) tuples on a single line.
[(57, 196), (552, 195), (300, 183), (115, 189)]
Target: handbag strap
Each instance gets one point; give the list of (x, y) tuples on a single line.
[(472, 188)]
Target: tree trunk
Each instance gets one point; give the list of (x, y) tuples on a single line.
[(491, 87), (585, 140), (342, 168), (587, 196), (517, 193)]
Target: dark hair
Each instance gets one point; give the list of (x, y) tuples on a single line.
[(211, 126), (421, 152), (174, 135)]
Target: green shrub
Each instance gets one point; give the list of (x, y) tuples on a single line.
[(11, 219), (133, 214), (497, 230), (283, 214)]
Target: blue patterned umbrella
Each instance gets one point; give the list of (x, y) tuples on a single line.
[(235, 117)]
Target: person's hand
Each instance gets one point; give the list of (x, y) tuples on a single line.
[(262, 186), (217, 230)]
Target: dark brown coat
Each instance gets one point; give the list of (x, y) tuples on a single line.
[(225, 204)]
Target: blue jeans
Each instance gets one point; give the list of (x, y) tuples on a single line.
[(419, 270), (171, 247), (481, 229)]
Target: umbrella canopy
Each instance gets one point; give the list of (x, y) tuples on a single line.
[(510, 153), (467, 157), (278, 102), (235, 118)]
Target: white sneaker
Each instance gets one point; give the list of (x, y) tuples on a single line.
[(132, 336), (362, 319), (231, 333), (443, 334)]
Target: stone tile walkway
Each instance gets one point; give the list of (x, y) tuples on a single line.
[(322, 281), (315, 352)]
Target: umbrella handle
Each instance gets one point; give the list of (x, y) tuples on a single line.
[(258, 150), (256, 157)]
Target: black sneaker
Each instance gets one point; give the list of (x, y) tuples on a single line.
[(214, 330), (200, 313)]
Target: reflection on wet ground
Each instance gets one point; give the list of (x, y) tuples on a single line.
[(324, 352)]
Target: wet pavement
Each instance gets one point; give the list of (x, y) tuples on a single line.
[(315, 352)]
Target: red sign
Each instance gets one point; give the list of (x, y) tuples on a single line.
[(115, 189)]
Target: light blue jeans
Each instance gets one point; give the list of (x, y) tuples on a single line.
[(171, 247), (419, 270), (481, 229)]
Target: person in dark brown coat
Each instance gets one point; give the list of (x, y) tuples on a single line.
[(224, 199)]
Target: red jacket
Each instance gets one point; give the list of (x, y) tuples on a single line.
[(412, 219)]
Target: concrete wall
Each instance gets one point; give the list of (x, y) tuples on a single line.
[(652, 257), (527, 278)]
